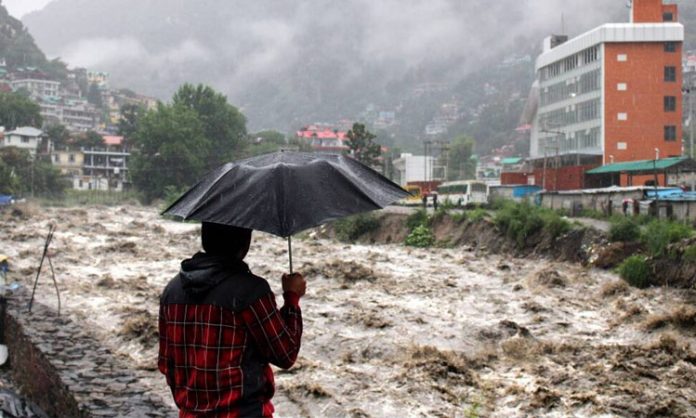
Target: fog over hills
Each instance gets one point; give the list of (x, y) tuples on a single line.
[(286, 63)]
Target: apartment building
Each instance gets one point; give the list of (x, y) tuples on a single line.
[(105, 167), (76, 114), (612, 94)]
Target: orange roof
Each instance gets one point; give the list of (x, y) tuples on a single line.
[(113, 140), (321, 134)]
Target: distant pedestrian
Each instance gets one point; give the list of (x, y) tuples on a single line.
[(425, 201), (435, 202)]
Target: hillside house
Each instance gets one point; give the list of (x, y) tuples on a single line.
[(26, 138)]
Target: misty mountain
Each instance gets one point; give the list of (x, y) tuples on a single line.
[(18, 49), (289, 63)]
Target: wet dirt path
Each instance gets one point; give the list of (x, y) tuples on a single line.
[(389, 330)]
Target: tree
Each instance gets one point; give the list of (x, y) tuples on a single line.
[(128, 124), (170, 150), (22, 175), (460, 165), (90, 139), (362, 146), (223, 125), (16, 110), (59, 135)]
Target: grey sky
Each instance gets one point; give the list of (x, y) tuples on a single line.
[(19, 8)]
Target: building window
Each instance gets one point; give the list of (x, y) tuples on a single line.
[(670, 73), (670, 104), (667, 17), (670, 47), (670, 133), (622, 58), (621, 87), (621, 146), (622, 116)]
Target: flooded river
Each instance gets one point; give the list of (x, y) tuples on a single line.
[(389, 330)]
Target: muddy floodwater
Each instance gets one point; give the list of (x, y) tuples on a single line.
[(392, 331)]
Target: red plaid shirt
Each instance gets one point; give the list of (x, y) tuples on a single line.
[(217, 360)]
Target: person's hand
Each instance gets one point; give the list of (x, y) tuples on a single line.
[(294, 283)]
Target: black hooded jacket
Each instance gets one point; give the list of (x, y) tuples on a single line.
[(215, 280)]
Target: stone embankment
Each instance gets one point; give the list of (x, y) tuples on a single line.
[(65, 370)]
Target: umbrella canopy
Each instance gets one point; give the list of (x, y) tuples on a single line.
[(286, 192)]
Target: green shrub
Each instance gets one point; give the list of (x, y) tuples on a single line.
[(421, 236), (417, 218), (458, 217), (635, 271), (659, 234), (498, 203), (351, 228), (554, 224), (591, 213), (439, 214), (624, 229), (477, 214), (690, 254), (519, 221)]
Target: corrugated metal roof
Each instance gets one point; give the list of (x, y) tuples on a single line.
[(636, 166), (511, 160), (26, 131)]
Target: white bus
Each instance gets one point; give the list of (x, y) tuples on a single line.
[(463, 192)]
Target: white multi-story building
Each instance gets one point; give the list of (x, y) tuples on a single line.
[(37, 87), (415, 168), (77, 115), (26, 138)]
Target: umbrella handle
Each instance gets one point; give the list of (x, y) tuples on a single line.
[(290, 252)]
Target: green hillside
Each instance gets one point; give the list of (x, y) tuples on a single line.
[(18, 48)]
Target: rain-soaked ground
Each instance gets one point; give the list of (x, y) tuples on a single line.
[(393, 331)]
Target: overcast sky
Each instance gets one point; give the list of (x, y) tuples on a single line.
[(19, 8)]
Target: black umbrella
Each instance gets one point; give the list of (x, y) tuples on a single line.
[(286, 192)]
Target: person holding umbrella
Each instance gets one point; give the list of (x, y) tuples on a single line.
[(220, 328), (219, 325)]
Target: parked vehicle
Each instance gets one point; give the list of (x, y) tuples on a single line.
[(463, 193), (6, 200), (415, 198)]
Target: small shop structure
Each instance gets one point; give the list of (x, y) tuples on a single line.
[(677, 171)]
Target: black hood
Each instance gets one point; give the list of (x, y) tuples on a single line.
[(203, 272)]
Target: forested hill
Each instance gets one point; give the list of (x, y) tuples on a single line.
[(18, 48)]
